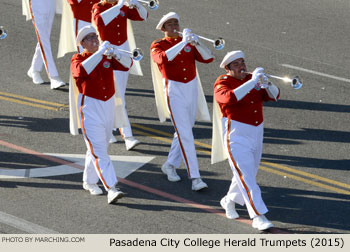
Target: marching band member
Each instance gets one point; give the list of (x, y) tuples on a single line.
[(111, 19), (82, 12), (239, 97), (93, 75), (78, 14), (75, 15), (42, 13), (177, 91)]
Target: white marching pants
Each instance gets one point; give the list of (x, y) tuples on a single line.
[(182, 106), (121, 80), (78, 24), (43, 13), (243, 145), (97, 118)]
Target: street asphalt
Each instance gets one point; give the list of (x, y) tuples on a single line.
[(304, 176)]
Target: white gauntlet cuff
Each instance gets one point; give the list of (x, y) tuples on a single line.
[(108, 15), (125, 60), (204, 52), (172, 52), (272, 91), (90, 63), (243, 90), (142, 11)]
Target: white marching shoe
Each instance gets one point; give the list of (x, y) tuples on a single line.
[(114, 194), (229, 207), (93, 188), (56, 82), (35, 76), (113, 139), (130, 143), (261, 223), (170, 171), (198, 184)]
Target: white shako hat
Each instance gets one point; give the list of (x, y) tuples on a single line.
[(83, 32), (231, 56), (165, 18)]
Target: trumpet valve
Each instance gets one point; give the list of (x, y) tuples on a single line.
[(109, 52), (264, 79)]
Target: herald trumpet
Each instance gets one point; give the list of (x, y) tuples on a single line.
[(3, 32), (137, 53), (218, 43), (152, 4), (295, 82)]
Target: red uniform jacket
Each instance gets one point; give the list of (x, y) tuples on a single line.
[(183, 67), (249, 110), (82, 10), (116, 31), (99, 84)]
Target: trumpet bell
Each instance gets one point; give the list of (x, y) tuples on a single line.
[(3, 32), (153, 5), (296, 83), (219, 44), (137, 54)]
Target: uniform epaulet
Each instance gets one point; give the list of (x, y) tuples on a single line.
[(223, 77)]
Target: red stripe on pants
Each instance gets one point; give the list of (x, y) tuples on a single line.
[(92, 151), (177, 132), (236, 166)]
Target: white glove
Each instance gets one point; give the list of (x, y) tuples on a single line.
[(186, 35), (263, 83), (257, 74), (121, 3), (103, 47), (194, 39), (244, 89), (134, 2)]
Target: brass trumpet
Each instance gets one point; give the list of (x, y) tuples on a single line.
[(3, 32), (152, 4), (218, 43)]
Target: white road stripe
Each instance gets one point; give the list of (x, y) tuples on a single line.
[(314, 72), (24, 225), (123, 165)]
